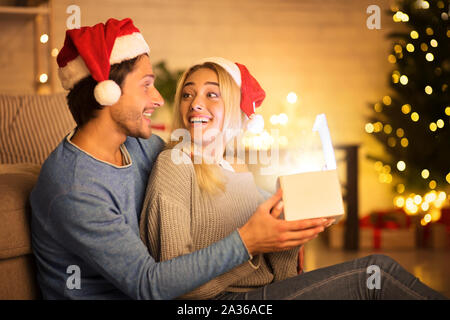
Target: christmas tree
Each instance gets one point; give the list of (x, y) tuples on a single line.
[(412, 120)]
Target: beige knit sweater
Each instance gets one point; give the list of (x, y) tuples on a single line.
[(178, 218)]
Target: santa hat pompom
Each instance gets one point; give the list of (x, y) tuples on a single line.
[(107, 92), (255, 124)]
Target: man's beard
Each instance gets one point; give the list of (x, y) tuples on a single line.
[(130, 123)]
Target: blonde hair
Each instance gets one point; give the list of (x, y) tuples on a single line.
[(209, 176)]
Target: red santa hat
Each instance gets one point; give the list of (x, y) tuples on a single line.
[(252, 95), (90, 51)]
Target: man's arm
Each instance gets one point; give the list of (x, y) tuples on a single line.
[(90, 228)]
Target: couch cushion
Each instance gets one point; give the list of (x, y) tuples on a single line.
[(15, 188), (17, 279), (31, 126)]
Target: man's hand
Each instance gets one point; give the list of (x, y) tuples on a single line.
[(264, 232)]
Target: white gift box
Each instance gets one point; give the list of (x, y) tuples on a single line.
[(315, 194)]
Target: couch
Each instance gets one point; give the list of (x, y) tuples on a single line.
[(31, 126)]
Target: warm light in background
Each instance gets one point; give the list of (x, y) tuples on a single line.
[(404, 80), (414, 34), (433, 126), (378, 107), (410, 47), (421, 4), (425, 173), (369, 128), (432, 184), (404, 142), (428, 90), (399, 201), (387, 100), (378, 126), (392, 142), (400, 188), (55, 52), (44, 38), (291, 97), (401, 165), (429, 56), (415, 116), (406, 108), (400, 17), (43, 78)]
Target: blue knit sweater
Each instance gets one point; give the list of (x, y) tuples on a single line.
[(85, 232)]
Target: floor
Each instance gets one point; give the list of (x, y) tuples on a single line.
[(430, 266)]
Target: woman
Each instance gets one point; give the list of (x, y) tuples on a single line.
[(195, 197), (189, 206)]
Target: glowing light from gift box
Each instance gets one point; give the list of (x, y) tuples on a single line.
[(310, 157), (321, 126), (282, 119), (262, 141)]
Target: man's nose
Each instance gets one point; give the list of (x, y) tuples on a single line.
[(156, 99)]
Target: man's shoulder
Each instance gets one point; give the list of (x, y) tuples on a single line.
[(150, 147)]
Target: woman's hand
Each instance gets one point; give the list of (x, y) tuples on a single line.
[(264, 232)]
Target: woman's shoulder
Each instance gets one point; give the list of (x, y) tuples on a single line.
[(173, 162), (174, 157)]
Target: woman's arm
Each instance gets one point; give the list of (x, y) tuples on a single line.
[(166, 223)]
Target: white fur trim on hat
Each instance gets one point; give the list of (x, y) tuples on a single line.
[(128, 47), (73, 72), (125, 48), (107, 92), (229, 66), (255, 124)]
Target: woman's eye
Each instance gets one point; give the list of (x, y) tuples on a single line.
[(185, 95), (213, 95)]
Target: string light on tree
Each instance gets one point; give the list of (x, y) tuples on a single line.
[(401, 165), (429, 56), (413, 122)]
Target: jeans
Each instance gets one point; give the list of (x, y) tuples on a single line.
[(350, 280)]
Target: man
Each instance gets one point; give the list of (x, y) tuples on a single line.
[(87, 201)]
